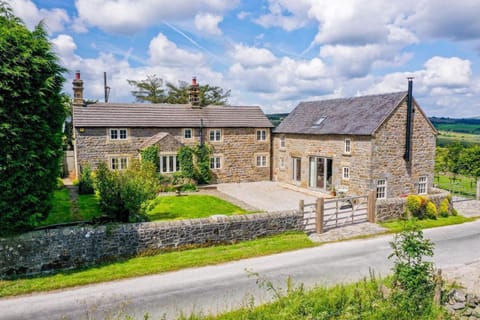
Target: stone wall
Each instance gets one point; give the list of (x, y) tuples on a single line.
[(71, 247), (388, 209), (237, 149), (389, 148), (326, 146)]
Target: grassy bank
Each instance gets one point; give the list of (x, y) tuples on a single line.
[(163, 262), (398, 225)]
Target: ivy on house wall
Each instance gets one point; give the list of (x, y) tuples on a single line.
[(151, 154), (195, 163)]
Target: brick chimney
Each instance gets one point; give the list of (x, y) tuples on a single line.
[(77, 90), (194, 94)]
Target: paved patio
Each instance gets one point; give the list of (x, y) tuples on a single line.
[(266, 195)]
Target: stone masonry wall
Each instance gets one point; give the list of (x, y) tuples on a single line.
[(389, 149), (71, 247), (393, 208), (238, 149), (327, 146)]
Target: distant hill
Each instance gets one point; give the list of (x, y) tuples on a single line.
[(465, 125)]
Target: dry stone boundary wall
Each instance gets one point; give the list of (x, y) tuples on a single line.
[(72, 247)]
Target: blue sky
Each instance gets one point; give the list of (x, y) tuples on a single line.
[(272, 53)]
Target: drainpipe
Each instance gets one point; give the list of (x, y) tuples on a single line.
[(408, 135)]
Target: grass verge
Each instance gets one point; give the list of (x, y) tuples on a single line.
[(360, 300), (189, 207), (398, 224), (163, 262)]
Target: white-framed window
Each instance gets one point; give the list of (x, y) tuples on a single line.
[(187, 133), (282, 162), (118, 134), (261, 160), (169, 163), (282, 141), (297, 169), (215, 162), (422, 185), (348, 146), (346, 173), (381, 189), (119, 163), (262, 135), (215, 134)]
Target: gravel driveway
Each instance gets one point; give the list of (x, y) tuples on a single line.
[(265, 195)]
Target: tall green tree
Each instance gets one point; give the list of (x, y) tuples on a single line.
[(31, 120), (148, 90), (152, 90)]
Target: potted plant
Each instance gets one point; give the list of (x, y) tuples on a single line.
[(333, 192)]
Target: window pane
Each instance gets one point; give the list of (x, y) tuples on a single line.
[(170, 163), (114, 163), (217, 135), (212, 135), (163, 163), (113, 134), (123, 163), (123, 134), (218, 162), (188, 133), (258, 135), (212, 163)]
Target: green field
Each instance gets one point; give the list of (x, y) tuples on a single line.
[(460, 185), (445, 138), (459, 127)]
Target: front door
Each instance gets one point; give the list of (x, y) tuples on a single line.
[(320, 173)]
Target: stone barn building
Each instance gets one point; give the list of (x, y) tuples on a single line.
[(380, 142)]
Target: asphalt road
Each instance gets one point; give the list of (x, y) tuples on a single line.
[(218, 288)]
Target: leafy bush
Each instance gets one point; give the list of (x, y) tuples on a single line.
[(414, 206), (444, 209), (85, 183), (204, 174), (413, 278), (430, 210), (122, 194), (59, 183), (185, 157), (454, 212)]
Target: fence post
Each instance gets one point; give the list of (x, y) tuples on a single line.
[(301, 206), (371, 204), (478, 190), (319, 216)]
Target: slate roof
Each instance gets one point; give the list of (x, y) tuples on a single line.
[(349, 116), (153, 140), (168, 116)]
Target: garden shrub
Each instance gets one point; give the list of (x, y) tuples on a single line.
[(85, 183), (414, 206), (430, 210), (444, 211), (454, 212), (122, 193), (204, 174)]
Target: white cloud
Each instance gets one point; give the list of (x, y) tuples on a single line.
[(251, 56), (287, 14), (126, 16), (447, 72), (165, 52), (55, 19), (208, 23)]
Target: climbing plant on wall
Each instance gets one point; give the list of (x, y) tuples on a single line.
[(195, 163), (151, 154)]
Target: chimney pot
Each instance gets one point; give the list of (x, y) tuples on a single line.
[(194, 81), (77, 75)]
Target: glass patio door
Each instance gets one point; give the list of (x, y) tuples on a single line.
[(320, 173)]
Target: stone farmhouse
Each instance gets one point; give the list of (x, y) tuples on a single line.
[(240, 136), (380, 142)]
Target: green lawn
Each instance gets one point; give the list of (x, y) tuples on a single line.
[(398, 225), (190, 207), (156, 264), (88, 206), (445, 138), (60, 211), (461, 185)]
